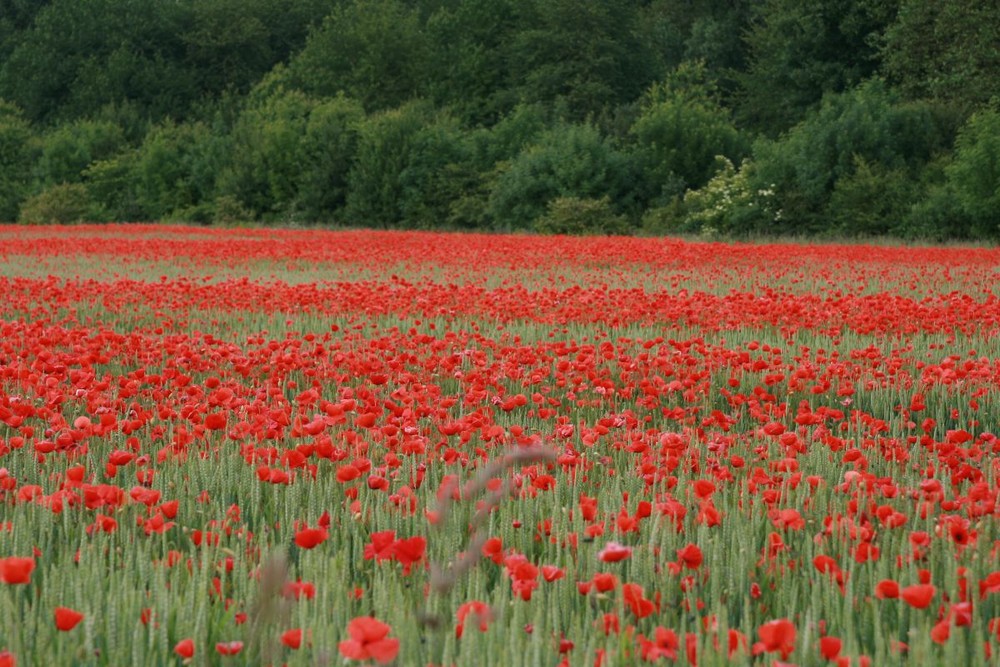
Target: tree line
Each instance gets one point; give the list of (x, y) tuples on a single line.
[(734, 117)]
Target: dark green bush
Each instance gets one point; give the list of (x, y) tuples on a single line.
[(873, 200), (569, 160), (330, 144), (15, 160), (974, 175), (267, 153), (113, 188), (374, 51), (870, 123), (386, 144), (61, 204), (69, 149), (576, 216), (175, 170), (679, 134)]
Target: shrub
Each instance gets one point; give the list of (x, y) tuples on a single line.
[(330, 145), (61, 204), (730, 203), (873, 200), (15, 160), (386, 143), (175, 170), (679, 134), (974, 175), (268, 151), (113, 188), (569, 160), (372, 50), (227, 210), (69, 149), (870, 123), (575, 215), (669, 218)]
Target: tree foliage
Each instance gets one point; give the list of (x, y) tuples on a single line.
[(800, 50), (372, 50), (15, 160), (546, 115), (945, 50)]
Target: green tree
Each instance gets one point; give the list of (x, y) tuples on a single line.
[(469, 67), (80, 55), (871, 123), (489, 151), (70, 148), (15, 160), (175, 171), (708, 31), (946, 50), (62, 204), (873, 200), (582, 56), (575, 215), (330, 145), (113, 189), (16, 16), (387, 143), (569, 160), (681, 131), (267, 152), (231, 44), (374, 51), (974, 175), (800, 50)]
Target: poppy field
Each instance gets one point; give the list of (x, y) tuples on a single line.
[(281, 447)]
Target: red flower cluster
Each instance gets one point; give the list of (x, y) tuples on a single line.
[(661, 426)]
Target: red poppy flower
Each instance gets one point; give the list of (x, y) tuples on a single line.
[(825, 564), (292, 638), (382, 547), (67, 619), (184, 648), (664, 645), (308, 538), (215, 421), (7, 659), (523, 575), (990, 584), (635, 599), (492, 549), (690, 556), (228, 648), (703, 488), (737, 642), (410, 551), (829, 647), (919, 595), (941, 631), (776, 636), (887, 589), (614, 552), (611, 624), (369, 641), (482, 612), (299, 589), (15, 570), (347, 473), (605, 582)]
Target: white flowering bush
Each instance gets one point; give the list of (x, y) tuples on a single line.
[(729, 202)]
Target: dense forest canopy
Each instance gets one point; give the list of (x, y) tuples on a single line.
[(733, 117)]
